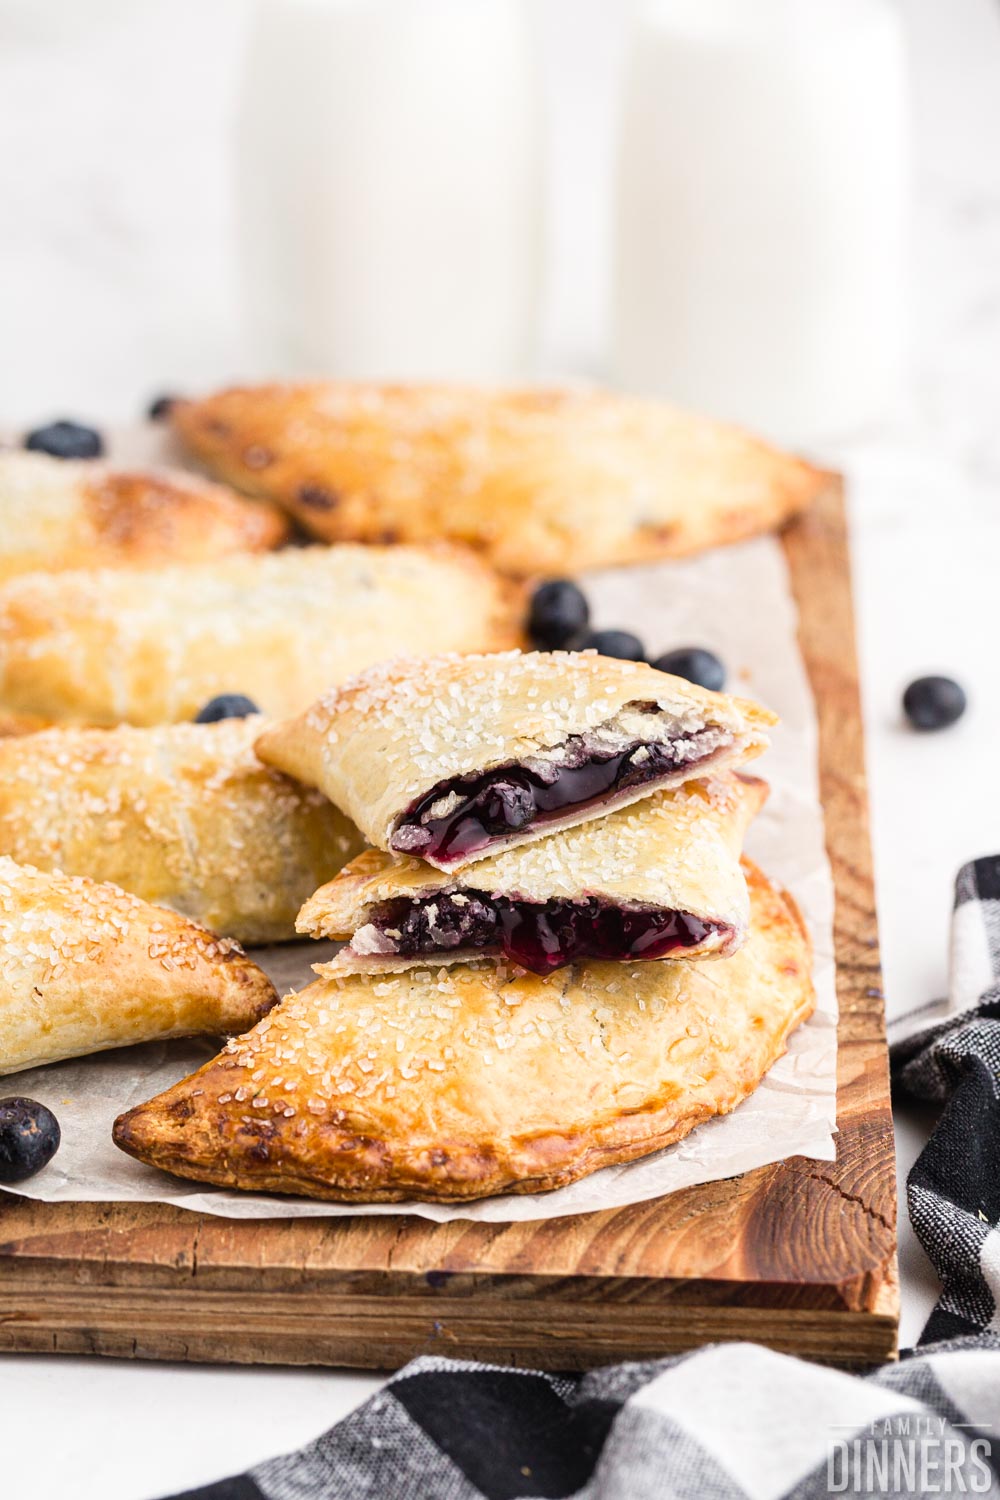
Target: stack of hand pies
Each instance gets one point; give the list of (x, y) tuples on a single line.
[(553, 958)]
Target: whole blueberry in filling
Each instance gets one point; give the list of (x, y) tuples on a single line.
[(540, 936)]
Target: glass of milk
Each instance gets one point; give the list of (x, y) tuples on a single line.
[(760, 211), (389, 188)]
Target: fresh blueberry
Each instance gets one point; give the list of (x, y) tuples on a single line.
[(226, 706), (29, 1138), (66, 440), (620, 643), (934, 702), (161, 407), (506, 807), (694, 664), (559, 614)]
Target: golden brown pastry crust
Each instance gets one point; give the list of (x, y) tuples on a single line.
[(673, 851), (110, 646), (56, 514), (16, 724), (184, 815), (540, 480), (84, 967), (460, 1083), (390, 735)]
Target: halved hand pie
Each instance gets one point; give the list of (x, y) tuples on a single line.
[(119, 645), (457, 1083), (84, 967), (184, 815), (450, 758), (57, 514), (659, 879), (538, 480)]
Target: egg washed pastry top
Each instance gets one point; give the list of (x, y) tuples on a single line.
[(658, 879), (57, 514), (184, 815), (84, 967), (458, 1083), (540, 480), (451, 757), (122, 645), (14, 724)]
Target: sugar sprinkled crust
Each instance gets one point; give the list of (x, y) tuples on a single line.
[(106, 647), (391, 734), (84, 967), (675, 850), (57, 514), (539, 480), (454, 1084), (184, 815)]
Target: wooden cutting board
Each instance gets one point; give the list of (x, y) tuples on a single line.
[(799, 1255)]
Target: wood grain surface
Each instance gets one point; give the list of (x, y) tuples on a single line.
[(799, 1255)]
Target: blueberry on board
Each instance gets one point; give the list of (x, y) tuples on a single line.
[(559, 614), (226, 706), (620, 643), (694, 664), (934, 702), (66, 440), (29, 1138), (160, 407)]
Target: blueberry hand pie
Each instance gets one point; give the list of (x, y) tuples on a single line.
[(57, 514), (658, 879), (451, 758), (85, 967), (541, 481), (122, 645), (457, 1083), (184, 815)]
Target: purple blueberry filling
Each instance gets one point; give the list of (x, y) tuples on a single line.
[(540, 937), (459, 817)]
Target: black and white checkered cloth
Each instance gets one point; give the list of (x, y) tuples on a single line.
[(736, 1420)]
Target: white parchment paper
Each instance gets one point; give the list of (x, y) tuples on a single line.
[(735, 601)]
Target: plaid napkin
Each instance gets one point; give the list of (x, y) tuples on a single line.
[(736, 1420), (950, 1053)]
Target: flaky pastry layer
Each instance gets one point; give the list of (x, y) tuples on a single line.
[(85, 967)]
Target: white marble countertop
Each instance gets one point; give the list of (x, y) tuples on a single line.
[(115, 282)]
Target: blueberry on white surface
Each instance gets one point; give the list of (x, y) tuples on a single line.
[(620, 643), (66, 440), (160, 407), (559, 614), (934, 702), (29, 1138), (226, 706), (694, 664)]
